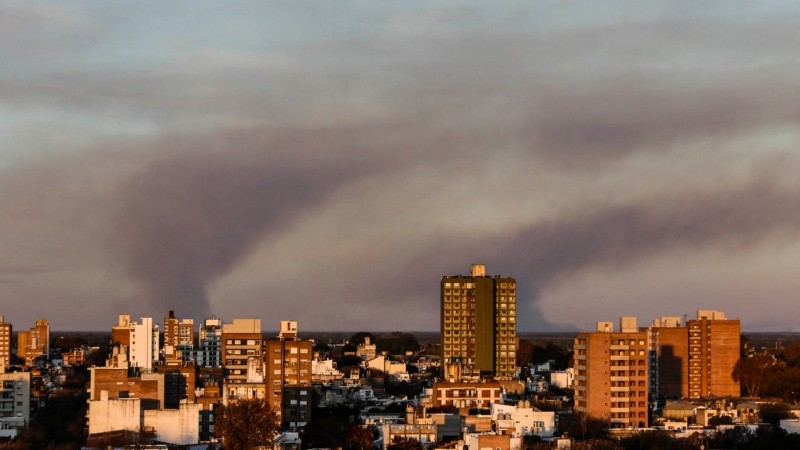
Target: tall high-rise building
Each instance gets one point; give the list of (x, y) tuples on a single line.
[(695, 360), (135, 344), (478, 325), (669, 358), (288, 364), (178, 338), (241, 342), (5, 344), (35, 342), (714, 348), (209, 350), (611, 374), (143, 351)]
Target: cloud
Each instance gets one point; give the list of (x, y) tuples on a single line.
[(220, 178)]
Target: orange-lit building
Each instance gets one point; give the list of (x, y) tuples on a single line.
[(5, 343), (35, 342), (241, 342), (466, 395), (695, 360), (479, 325), (288, 379), (611, 374), (179, 339), (714, 348), (669, 363)]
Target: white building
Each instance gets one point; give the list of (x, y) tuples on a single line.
[(562, 379), (115, 414), (175, 426), (143, 350), (523, 420), (383, 364), (15, 400), (324, 371)]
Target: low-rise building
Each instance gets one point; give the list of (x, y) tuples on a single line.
[(179, 426), (466, 395), (523, 420), (15, 400)]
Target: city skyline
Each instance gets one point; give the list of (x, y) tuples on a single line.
[(330, 163)]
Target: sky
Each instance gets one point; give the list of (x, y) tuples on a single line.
[(329, 162)]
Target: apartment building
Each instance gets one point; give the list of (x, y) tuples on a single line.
[(288, 367), (35, 342), (241, 342), (15, 399), (714, 348), (209, 350), (135, 344), (466, 395), (695, 360), (611, 374), (478, 324), (5, 344), (179, 339), (669, 358)]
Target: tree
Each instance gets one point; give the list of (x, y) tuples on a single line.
[(326, 432), (397, 343), (246, 424), (753, 373), (581, 426), (359, 338), (357, 438), (529, 441)]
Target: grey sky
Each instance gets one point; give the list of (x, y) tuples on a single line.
[(329, 162)]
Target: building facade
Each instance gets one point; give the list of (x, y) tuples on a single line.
[(179, 338), (35, 342), (478, 325), (241, 342), (209, 351), (714, 348), (5, 344), (669, 358), (611, 374), (15, 399), (695, 360), (288, 366), (465, 395)]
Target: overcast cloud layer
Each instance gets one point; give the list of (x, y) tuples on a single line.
[(329, 163)]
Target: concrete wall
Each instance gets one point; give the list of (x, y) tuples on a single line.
[(115, 414), (179, 426)]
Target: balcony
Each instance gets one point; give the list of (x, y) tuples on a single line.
[(619, 410)]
